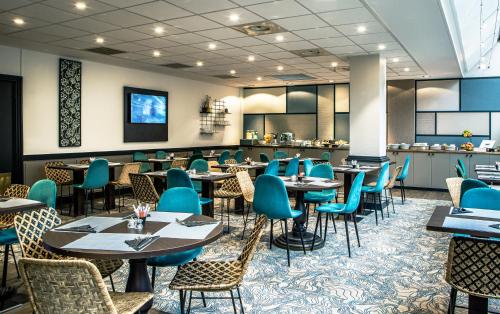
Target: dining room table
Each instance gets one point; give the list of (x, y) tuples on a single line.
[(78, 171), (208, 181), (473, 222), (116, 236), (488, 173), (211, 156), (301, 160), (158, 162), (299, 188), (258, 167)]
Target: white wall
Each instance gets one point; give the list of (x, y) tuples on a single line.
[(102, 105)]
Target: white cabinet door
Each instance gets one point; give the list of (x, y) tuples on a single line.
[(440, 165), (422, 166), (477, 159)]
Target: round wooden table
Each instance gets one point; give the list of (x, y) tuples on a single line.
[(300, 222), (138, 279)]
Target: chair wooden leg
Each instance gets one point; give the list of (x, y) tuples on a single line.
[(347, 236), (271, 236), (386, 200), (316, 230), (353, 216), (392, 201), (232, 300), (287, 247), (15, 262), (241, 302), (453, 300)]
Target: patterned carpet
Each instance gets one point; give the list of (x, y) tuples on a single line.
[(398, 269)]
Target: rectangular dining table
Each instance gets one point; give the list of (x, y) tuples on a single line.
[(158, 162), (208, 181), (78, 171), (259, 167), (477, 224), (488, 173)]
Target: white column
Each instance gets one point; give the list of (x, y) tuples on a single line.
[(367, 119)]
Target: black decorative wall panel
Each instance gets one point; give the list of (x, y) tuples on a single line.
[(70, 91)]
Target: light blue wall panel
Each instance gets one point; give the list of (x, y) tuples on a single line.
[(457, 140), (480, 94)]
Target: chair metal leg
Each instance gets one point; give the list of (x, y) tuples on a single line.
[(15, 262), (228, 208), (453, 300), (112, 283), (316, 230), (333, 221), (379, 196), (181, 300), (271, 236), (326, 225), (392, 201), (347, 236), (203, 299), (153, 277), (5, 265), (287, 247), (302, 241), (241, 302), (189, 303), (353, 216), (386, 199), (245, 221), (375, 210), (232, 300)]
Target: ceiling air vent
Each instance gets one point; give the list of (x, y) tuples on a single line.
[(293, 77), (225, 76), (259, 28), (306, 53), (177, 65), (105, 51)]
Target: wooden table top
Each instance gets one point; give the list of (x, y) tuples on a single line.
[(15, 205), (301, 160), (487, 168), (308, 184), (255, 165), (349, 169), (489, 177), (207, 176), (79, 167), (55, 241), (465, 223), (159, 160)]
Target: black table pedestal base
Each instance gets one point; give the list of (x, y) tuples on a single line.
[(138, 280), (296, 245)]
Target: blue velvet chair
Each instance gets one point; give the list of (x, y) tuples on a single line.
[(271, 199), (162, 155), (143, 159), (485, 198), (292, 168), (462, 172), (201, 165), (321, 171), (97, 178), (179, 178), (348, 210), (469, 184), (263, 157), (279, 154), (238, 156), (402, 177), (326, 156), (44, 191), (180, 200), (223, 156), (376, 191), (192, 158), (308, 165), (273, 168)]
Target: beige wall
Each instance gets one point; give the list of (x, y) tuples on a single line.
[(401, 111)]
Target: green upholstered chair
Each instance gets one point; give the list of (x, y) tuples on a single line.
[(97, 178), (179, 178), (485, 198), (376, 191), (200, 165), (273, 168), (308, 165), (263, 157), (223, 156), (402, 177), (44, 191), (469, 184), (292, 168), (321, 171), (238, 156), (143, 159)]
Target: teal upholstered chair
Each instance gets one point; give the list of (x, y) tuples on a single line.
[(161, 155), (271, 199), (97, 178), (192, 158), (292, 168), (179, 178), (238, 156), (462, 172), (180, 200), (263, 157), (326, 156), (197, 151), (279, 154), (223, 156), (402, 177), (469, 184), (8, 237), (201, 165), (308, 165), (321, 171), (44, 191), (377, 189), (141, 157), (273, 168), (485, 198), (348, 210)]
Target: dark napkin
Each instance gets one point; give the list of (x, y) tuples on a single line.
[(140, 243), (460, 210), (195, 223), (83, 228), (496, 226)]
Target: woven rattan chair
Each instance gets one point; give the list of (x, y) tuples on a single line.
[(230, 162), (214, 276), (144, 189), (390, 185), (248, 190), (182, 164), (454, 185), (30, 227), (14, 190), (61, 177), (229, 190), (124, 181), (473, 267), (74, 286)]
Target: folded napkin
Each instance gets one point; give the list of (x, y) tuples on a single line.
[(139, 243), (194, 223), (460, 210), (83, 228)]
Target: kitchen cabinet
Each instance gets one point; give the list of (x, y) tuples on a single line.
[(477, 159), (440, 170), (252, 152), (454, 161), (423, 172), (430, 170), (400, 158)]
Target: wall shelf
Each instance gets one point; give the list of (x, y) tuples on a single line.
[(213, 117)]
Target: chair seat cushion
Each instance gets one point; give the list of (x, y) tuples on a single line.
[(319, 197), (369, 189), (331, 208), (296, 213), (174, 259), (205, 200), (129, 302), (226, 194), (8, 236), (400, 178)]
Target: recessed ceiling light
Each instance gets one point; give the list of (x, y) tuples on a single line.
[(395, 59), (381, 47), (233, 72), (156, 53), (81, 5), (331, 81), (199, 63), (280, 38), (280, 68), (259, 78), (234, 17), (212, 46), (406, 69), (361, 29), (334, 64), (159, 30), (426, 76), (251, 58), (99, 40), (18, 21)]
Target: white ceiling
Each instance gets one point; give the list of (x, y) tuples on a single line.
[(191, 25)]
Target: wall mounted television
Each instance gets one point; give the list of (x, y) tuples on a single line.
[(145, 115)]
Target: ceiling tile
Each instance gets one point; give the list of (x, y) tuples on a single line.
[(126, 35), (73, 44), (90, 39), (244, 41), (326, 60), (349, 16), (45, 13), (129, 47), (372, 38), (205, 55), (159, 10), (222, 17), (10, 5), (33, 35), (317, 33), (345, 50), (394, 53), (271, 38), (352, 29), (221, 33), (130, 56), (263, 48), (279, 55), (182, 50), (330, 5), (292, 61), (218, 46), (93, 6), (150, 29), (193, 23), (374, 47), (296, 45), (29, 22), (234, 52), (61, 31), (300, 22), (198, 6), (278, 9), (122, 18), (124, 3), (5, 29), (157, 43), (90, 25), (332, 42), (187, 38)]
